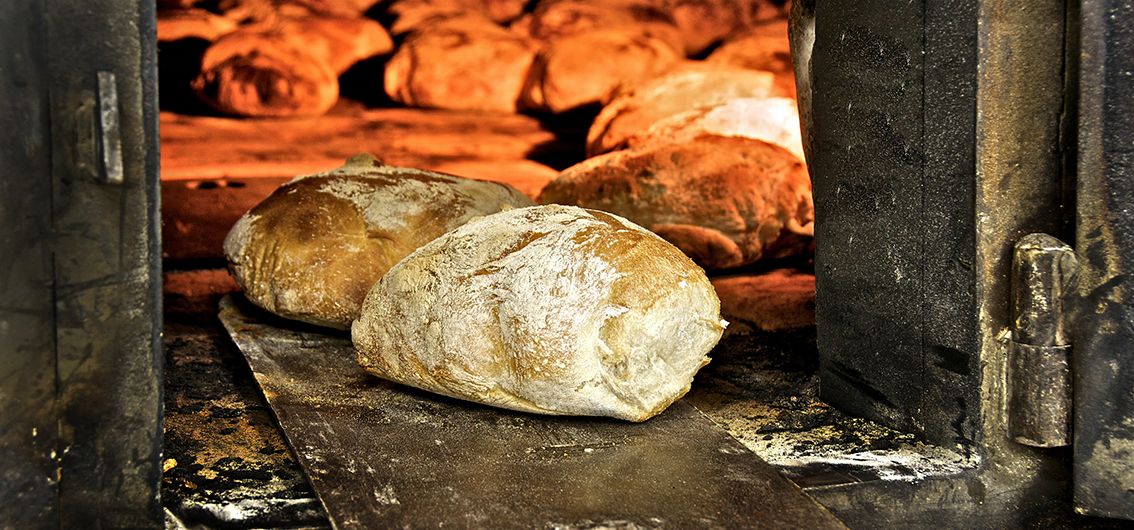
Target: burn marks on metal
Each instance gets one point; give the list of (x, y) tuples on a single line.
[(894, 117), (1103, 362), (225, 462), (85, 321)]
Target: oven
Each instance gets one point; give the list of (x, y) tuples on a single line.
[(958, 352)]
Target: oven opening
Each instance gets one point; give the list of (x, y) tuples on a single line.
[(692, 102)]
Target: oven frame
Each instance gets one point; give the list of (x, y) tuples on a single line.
[(935, 146)]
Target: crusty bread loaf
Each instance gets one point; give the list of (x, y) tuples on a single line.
[(763, 47), (409, 15), (583, 69), (692, 85), (549, 309), (286, 68), (705, 22), (257, 11), (554, 19), (464, 63), (774, 120), (724, 201), (191, 23), (313, 248)]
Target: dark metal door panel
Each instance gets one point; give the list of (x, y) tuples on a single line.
[(27, 361), (893, 118), (80, 318), (1103, 362), (102, 62)]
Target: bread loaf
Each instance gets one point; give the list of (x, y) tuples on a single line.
[(692, 85), (409, 15), (724, 201), (554, 19), (705, 22), (463, 63), (774, 120), (583, 69), (763, 47), (313, 248), (191, 23), (549, 309), (286, 68), (257, 11)]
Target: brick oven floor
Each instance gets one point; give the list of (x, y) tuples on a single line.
[(227, 464)]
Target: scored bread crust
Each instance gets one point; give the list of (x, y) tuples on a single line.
[(316, 245), (773, 120), (724, 201), (690, 85), (548, 309)]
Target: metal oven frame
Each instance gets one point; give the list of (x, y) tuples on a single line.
[(942, 132)]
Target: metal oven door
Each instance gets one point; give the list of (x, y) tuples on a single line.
[(942, 134), (80, 315)]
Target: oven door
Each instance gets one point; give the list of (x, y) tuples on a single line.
[(1103, 359), (80, 316), (942, 133)]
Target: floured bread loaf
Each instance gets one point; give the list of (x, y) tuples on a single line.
[(692, 85), (579, 70), (315, 246), (724, 201), (549, 309), (774, 120), (463, 63)]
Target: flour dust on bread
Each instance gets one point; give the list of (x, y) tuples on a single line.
[(313, 248), (547, 309)]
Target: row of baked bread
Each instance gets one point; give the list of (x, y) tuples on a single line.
[(466, 289), (706, 155), (567, 54), (274, 58)]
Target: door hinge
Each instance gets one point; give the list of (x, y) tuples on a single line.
[(1039, 375)]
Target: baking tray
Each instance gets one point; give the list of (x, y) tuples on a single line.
[(382, 455)]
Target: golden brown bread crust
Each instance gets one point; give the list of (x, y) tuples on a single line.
[(566, 74), (410, 15), (724, 201), (463, 63), (176, 24), (555, 19), (548, 309), (285, 68), (313, 248), (688, 86), (774, 120), (764, 47)]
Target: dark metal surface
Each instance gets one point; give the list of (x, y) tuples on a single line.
[(1039, 376), (893, 111), (80, 321), (938, 143), (106, 266), (226, 464), (1104, 328), (381, 455), (28, 438), (1039, 404)]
